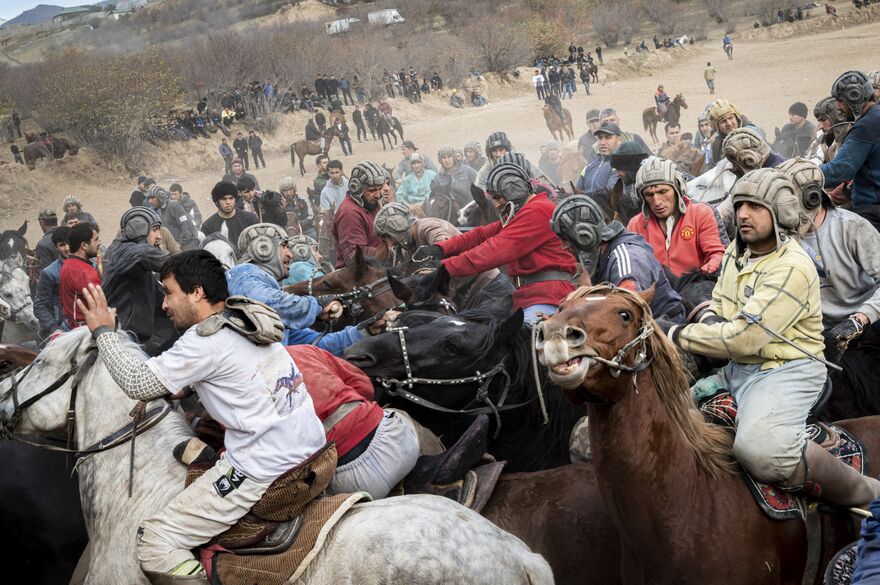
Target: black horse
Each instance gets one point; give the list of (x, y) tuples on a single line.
[(464, 347), (391, 129), (483, 212), (13, 242)]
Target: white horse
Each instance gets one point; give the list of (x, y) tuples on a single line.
[(407, 539), (15, 291)]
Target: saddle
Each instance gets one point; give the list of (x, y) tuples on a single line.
[(774, 501), (283, 531)]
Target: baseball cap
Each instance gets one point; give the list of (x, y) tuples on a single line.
[(47, 213), (607, 128), (408, 144), (594, 115)]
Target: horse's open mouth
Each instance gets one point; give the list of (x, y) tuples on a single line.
[(571, 373)]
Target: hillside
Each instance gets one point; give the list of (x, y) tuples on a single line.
[(36, 15)]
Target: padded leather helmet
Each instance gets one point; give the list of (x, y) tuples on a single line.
[(496, 140), (365, 174), (159, 193), (808, 178), (825, 107), (746, 148), (774, 190), (259, 245), (303, 249), (395, 221), (660, 171), (137, 222), (475, 146), (855, 90), (721, 108), (579, 220)]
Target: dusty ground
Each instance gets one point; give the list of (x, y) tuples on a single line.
[(765, 77)]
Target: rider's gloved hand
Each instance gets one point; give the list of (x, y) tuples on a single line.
[(331, 311), (425, 253), (847, 330)]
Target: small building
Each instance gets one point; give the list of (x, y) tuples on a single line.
[(78, 13)]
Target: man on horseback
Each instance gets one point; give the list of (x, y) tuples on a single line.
[(684, 235), (313, 133), (606, 252), (768, 283), (265, 262), (353, 221), (555, 104), (836, 237), (661, 99), (497, 145), (522, 239), (246, 381), (597, 176), (404, 167)]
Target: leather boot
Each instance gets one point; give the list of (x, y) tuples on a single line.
[(194, 450), (168, 579), (838, 482), (452, 464)]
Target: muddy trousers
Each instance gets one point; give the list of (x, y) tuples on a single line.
[(209, 506)]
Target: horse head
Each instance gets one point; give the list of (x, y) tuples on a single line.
[(13, 243), (427, 292), (679, 99), (595, 327), (15, 291)]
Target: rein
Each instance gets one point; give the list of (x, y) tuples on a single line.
[(351, 300), (402, 388), (142, 419)]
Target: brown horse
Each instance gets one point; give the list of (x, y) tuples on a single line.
[(362, 287), (556, 125), (14, 356), (61, 145), (570, 165), (688, 159), (650, 117), (666, 476), (304, 148), (34, 151)]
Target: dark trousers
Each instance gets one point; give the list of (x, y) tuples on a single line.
[(243, 155), (361, 129), (227, 160), (540, 90), (389, 89), (345, 143), (258, 157), (346, 97)]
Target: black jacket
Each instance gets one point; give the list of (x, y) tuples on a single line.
[(131, 285), (46, 252), (241, 146)]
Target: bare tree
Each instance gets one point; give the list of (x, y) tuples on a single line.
[(617, 21), (499, 47)]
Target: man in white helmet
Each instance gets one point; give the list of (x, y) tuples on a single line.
[(845, 249), (768, 283), (264, 263)]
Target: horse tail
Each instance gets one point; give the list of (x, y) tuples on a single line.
[(646, 119), (293, 155)]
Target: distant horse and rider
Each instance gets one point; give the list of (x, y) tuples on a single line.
[(651, 116), (558, 126)]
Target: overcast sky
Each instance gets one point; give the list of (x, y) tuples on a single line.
[(12, 8)]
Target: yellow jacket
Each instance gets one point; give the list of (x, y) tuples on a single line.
[(783, 289)]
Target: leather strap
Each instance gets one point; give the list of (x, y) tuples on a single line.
[(342, 411), (543, 276)]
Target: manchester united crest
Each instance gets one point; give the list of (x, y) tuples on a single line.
[(687, 232)]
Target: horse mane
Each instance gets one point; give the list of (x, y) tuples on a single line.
[(709, 443), (62, 349), (694, 276)]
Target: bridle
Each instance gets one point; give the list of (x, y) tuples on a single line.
[(403, 388), (143, 419), (352, 300)]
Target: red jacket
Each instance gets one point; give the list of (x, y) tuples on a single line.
[(694, 244), (526, 244), (76, 274), (353, 227), (332, 381)]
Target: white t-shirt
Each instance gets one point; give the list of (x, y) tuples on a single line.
[(538, 79), (255, 391)]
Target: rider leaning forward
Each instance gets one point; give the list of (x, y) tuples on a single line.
[(767, 280)]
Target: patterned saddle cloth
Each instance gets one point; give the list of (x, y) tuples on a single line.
[(777, 503)]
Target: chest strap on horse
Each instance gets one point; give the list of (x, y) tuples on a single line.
[(756, 320)]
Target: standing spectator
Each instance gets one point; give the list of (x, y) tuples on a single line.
[(345, 86), (47, 302), (16, 154), (16, 122), (344, 137), (239, 172), (599, 54), (240, 145), (332, 87), (538, 80), (255, 143), (371, 116), (319, 89), (227, 154), (173, 217), (585, 78), (388, 80), (138, 195), (358, 119), (709, 76), (188, 203), (358, 88), (78, 271), (323, 175), (229, 220), (46, 250), (334, 191)]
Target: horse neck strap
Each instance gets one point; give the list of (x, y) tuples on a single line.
[(642, 361)]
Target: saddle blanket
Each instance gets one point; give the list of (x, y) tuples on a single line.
[(777, 503), (318, 519)]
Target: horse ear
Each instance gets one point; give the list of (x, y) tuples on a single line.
[(399, 288), (647, 295), (23, 229), (442, 279), (574, 189), (360, 265), (510, 326)]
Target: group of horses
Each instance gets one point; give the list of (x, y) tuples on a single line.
[(46, 147), (380, 127)]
